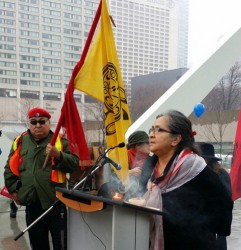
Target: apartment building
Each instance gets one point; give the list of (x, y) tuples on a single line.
[(41, 41)]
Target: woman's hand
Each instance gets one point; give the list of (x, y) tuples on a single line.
[(135, 171)]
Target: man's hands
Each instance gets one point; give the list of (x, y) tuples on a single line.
[(15, 198), (53, 151)]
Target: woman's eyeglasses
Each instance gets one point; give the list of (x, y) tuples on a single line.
[(40, 122), (158, 130)]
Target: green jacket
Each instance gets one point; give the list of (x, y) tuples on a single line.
[(35, 180)]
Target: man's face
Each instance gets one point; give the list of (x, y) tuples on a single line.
[(39, 127)]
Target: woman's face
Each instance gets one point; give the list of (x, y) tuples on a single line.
[(161, 140)]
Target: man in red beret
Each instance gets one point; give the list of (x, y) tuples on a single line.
[(33, 185)]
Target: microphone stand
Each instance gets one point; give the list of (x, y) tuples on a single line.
[(99, 163), (38, 219)]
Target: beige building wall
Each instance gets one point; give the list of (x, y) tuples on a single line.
[(204, 134)]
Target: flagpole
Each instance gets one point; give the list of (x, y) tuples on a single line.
[(79, 65), (75, 72)]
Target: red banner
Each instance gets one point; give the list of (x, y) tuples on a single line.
[(235, 173)]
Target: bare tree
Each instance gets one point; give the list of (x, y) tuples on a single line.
[(95, 111), (23, 106), (224, 98), (218, 121), (26, 104), (226, 94)]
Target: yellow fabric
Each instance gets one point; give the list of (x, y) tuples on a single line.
[(15, 143), (58, 143), (100, 77), (56, 175)]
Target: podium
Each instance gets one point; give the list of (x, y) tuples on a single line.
[(96, 223)]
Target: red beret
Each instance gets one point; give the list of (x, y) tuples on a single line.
[(38, 112)]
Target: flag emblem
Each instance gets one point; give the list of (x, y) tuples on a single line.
[(114, 96)]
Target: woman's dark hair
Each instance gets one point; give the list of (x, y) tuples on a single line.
[(179, 124)]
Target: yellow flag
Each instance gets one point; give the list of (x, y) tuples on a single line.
[(100, 77)]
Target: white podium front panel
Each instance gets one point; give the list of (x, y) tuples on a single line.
[(113, 228)]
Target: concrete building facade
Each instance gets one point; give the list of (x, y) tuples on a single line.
[(41, 41)]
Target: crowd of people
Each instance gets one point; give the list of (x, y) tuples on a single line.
[(175, 174)]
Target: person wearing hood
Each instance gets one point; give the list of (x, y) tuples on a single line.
[(138, 151)]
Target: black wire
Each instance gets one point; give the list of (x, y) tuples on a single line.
[(91, 229)]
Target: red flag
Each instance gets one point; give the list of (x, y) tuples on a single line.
[(69, 119), (235, 173), (5, 192)]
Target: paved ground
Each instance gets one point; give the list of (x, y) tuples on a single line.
[(10, 228), (234, 240)]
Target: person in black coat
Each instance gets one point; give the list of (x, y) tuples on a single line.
[(208, 153), (176, 180)]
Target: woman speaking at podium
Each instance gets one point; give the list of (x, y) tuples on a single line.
[(176, 179)]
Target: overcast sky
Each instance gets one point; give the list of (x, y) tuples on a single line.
[(209, 22)]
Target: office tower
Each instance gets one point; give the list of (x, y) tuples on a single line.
[(41, 41), (151, 36)]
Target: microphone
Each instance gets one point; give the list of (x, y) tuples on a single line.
[(108, 160), (120, 145), (101, 160), (114, 164)]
